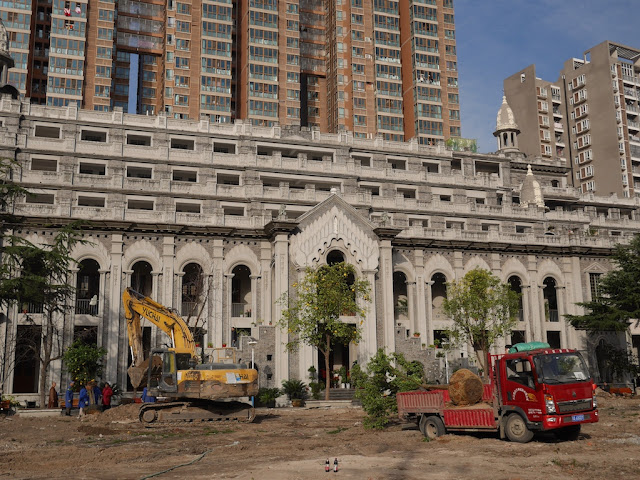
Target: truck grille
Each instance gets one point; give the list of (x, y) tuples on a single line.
[(574, 406)]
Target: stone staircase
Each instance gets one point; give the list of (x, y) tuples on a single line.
[(341, 393), (338, 398)]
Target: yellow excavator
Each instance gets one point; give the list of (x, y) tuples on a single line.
[(193, 391)]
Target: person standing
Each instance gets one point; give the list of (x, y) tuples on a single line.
[(107, 393), (97, 393), (53, 397), (83, 401), (68, 399)]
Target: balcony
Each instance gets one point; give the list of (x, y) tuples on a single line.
[(239, 310), (84, 307)]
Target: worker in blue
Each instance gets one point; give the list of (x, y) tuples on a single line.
[(146, 398), (68, 399), (83, 401)]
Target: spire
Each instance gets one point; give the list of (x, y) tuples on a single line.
[(531, 191), (506, 128)]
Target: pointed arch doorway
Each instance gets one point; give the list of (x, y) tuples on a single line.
[(340, 355)]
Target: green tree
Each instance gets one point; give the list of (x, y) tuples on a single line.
[(83, 361), (617, 300), (482, 309), (39, 275), (377, 384), (312, 314)]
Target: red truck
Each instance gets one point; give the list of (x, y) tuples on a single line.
[(530, 391)]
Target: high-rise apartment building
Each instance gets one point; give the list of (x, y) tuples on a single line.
[(372, 67), (590, 116)]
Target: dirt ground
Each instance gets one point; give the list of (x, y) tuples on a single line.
[(288, 443)]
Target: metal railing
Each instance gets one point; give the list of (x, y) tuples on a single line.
[(240, 310), (84, 307)]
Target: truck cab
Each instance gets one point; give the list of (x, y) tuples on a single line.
[(548, 388)]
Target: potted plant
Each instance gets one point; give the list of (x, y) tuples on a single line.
[(268, 396), (416, 334), (342, 372), (296, 390), (209, 345)]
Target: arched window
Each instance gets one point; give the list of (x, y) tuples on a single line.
[(88, 288), (550, 300), (193, 286), (516, 285), (241, 292), (400, 297), (334, 256), (141, 279)]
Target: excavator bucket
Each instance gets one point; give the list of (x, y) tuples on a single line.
[(138, 375)]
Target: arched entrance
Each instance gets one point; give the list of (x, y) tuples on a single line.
[(340, 356)]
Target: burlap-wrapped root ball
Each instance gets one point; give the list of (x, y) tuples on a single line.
[(465, 388)]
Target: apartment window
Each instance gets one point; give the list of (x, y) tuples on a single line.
[(187, 207), (44, 164), (93, 136), (40, 198), (184, 27), (89, 168), (141, 140), (139, 172), (228, 179), (46, 131), (139, 204), (183, 144), (89, 201), (185, 176)]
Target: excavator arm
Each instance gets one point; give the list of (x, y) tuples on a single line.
[(137, 305)]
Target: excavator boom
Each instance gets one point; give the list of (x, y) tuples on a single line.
[(193, 390), (137, 305)]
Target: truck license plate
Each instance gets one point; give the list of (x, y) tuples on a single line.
[(577, 418)]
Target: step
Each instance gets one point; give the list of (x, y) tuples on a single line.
[(329, 404), (341, 393)]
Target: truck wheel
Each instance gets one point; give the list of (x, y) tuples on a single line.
[(568, 433), (516, 429), (431, 427)]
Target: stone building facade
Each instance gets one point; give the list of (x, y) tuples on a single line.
[(218, 221)]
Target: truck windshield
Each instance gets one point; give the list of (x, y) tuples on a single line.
[(556, 368)]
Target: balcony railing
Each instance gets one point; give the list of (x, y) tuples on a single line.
[(189, 308), (84, 307), (240, 310), (32, 308)]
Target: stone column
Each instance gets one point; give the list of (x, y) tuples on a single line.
[(267, 294), (421, 312), (157, 335), (179, 279), (115, 324), (564, 334), (536, 308), (281, 247), (102, 325), (386, 275), (254, 297), (218, 293), (411, 310), (429, 313), (369, 336), (526, 312), (168, 268), (226, 329)]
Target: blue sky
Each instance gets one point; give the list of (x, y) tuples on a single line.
[(497, 38)]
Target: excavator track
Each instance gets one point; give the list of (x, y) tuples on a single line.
[(179, 412)]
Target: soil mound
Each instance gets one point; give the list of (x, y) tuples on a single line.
[(121, 413)]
